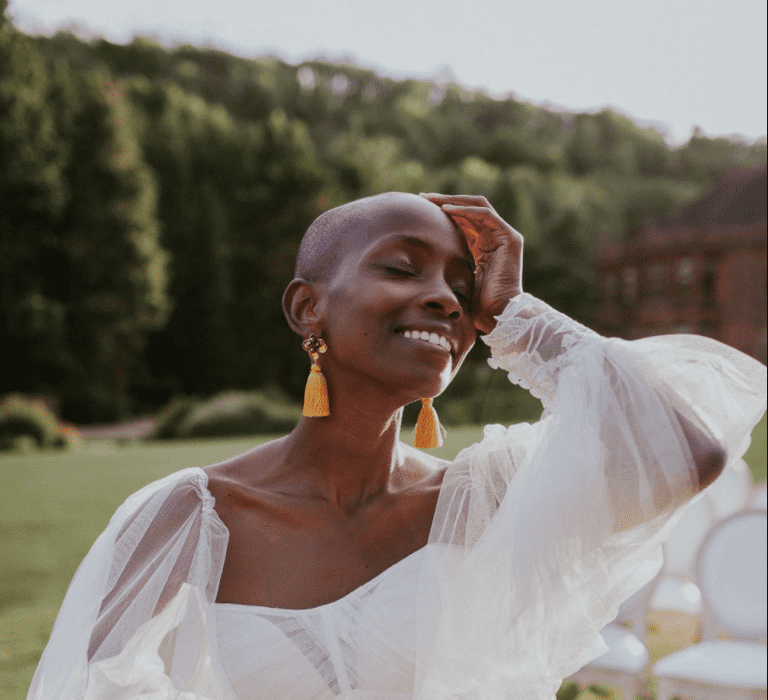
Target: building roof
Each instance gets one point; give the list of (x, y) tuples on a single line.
[(738, 198)]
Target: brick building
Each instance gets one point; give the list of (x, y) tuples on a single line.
[(702, 271)]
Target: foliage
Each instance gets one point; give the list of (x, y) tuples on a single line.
[(28, 424), (113, 268), (83, 275), (228, 414), (491, 399), (152, 201), (31, 320), (170, 418)]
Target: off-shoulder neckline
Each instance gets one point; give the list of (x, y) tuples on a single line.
[(210, 502), (355, 592)]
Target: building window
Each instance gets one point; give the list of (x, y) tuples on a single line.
[(629, 278), (656, 277), (684, 272), (683, 328), (709, 285)]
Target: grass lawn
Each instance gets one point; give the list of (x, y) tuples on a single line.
[(54, 505)]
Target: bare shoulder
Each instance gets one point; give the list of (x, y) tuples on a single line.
[(247, 469), (421, 470)]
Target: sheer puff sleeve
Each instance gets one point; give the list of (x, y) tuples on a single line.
[(134, 620), (542, 530)]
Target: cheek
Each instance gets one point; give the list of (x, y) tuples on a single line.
[(353, 320)]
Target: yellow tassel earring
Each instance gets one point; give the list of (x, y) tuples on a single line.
[(428, 429), (316, 391)]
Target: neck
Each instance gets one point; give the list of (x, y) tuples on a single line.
[(348, 457)]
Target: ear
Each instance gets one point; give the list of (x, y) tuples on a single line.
[(300, 307)]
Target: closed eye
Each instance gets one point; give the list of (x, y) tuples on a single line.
[(401, 271), (463, 297)]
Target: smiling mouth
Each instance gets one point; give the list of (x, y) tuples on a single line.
[(433, 339)]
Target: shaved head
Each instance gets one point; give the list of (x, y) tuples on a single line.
[(333, 234)]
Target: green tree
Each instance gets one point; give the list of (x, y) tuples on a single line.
[(246, 152), (31, 197), (235, 199), (114, 277)]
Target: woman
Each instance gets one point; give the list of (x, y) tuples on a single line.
[(340, 562)]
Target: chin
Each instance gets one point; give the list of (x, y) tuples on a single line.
[(431, 390)]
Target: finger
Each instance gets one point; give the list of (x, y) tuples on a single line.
[(479, 215), (470, 211), (470, 232), (459, 199)]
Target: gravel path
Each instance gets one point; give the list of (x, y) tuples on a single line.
[(130, 430)]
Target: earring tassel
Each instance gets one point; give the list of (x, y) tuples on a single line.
[(428, 429), (316, 394)]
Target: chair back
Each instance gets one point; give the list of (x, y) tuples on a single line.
[(731, 573), (731, 491), (683, 545)]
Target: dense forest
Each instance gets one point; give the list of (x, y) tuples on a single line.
[(152, 200)]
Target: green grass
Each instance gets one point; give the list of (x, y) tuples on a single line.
[(755, 456), (54, 505)]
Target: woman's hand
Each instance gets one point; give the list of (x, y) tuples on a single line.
[(497, 249)]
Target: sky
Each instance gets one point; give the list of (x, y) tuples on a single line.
[(671, 64)]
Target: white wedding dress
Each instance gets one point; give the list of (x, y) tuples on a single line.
[(540, 532)]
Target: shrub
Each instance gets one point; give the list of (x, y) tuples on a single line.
[(172, 416), (228, 414), (26, 423), (498, 401), (479, 396)]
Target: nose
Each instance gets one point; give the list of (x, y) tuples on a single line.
[(443, 299)]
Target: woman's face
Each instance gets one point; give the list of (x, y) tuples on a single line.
[(397, 311)]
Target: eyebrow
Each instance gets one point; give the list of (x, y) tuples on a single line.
[(419, 243)]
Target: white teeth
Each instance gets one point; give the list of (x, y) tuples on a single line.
[(433, 338)]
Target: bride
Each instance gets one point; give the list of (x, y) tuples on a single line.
[(339, 562)]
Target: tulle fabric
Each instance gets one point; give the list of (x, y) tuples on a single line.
[(136, 618), (540, 532)]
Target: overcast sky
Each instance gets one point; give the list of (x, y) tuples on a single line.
[(675, 64)]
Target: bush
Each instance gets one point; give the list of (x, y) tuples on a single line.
[(479, 396), (169, 420), (28, 423), (496, 401), (227, 414)]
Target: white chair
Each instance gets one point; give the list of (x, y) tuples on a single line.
[(731, 491), (759, 497), (676, 589), (731, 572), (623, 666)]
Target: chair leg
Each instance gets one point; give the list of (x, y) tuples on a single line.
[(627, 688), (664, 690)]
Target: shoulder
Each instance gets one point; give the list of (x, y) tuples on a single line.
[(164, 506), (421, 470), (192, 482), (244, 477)]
